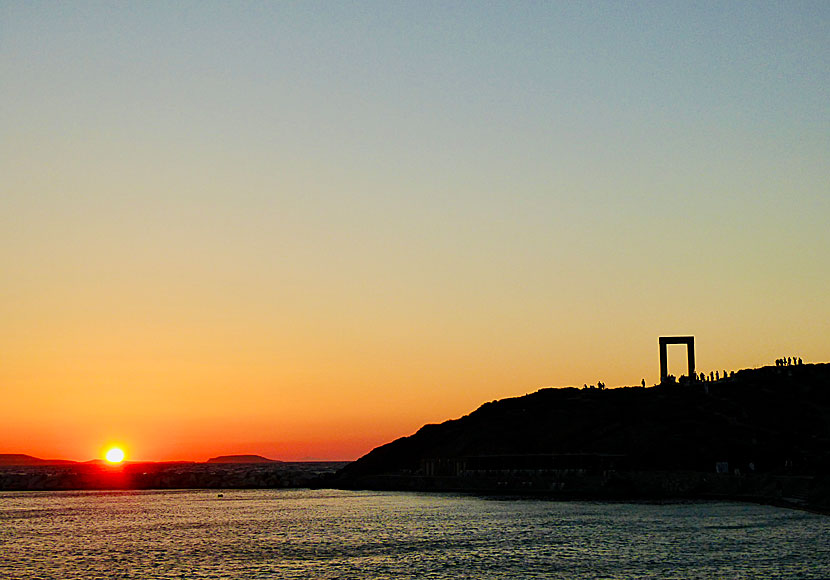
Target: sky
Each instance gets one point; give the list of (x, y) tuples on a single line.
[(303, 229)]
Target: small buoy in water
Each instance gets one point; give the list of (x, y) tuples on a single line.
[(221, 495)]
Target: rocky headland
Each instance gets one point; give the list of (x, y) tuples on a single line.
[(759, 434)]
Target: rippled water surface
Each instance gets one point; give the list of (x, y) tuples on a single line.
[(338, 534)]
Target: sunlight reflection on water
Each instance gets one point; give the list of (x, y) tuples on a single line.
[(337, 534)]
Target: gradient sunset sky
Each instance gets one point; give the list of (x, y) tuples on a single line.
[(305, 229)]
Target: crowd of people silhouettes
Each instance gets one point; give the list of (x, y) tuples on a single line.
[(711, 377), (600, 386)]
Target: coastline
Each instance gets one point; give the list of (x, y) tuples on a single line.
[(795, 492), (146, 475), (803, 493)]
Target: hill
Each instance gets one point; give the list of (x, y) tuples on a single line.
[(22, 459), (771, 420), (241, 459)]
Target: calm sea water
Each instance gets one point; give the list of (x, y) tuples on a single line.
[(339, 534)]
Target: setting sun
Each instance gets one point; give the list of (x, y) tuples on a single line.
[(115, 455)]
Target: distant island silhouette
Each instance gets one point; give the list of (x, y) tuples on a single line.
[(241, 459), (22, 459)]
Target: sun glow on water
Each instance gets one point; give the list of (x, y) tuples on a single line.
[(115, 455)]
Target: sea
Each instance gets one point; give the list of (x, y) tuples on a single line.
[(328, 534)]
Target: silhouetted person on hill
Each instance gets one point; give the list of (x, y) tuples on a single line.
[(717, 376), (800, 362), (644, 383), (789, 361)]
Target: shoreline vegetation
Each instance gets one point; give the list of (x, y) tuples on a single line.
[(757, 435)]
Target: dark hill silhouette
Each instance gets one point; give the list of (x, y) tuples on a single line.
[(773, 420), (241, 459), (22, 459)]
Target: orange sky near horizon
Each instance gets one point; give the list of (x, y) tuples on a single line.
[(302, 231), (209, 403)]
